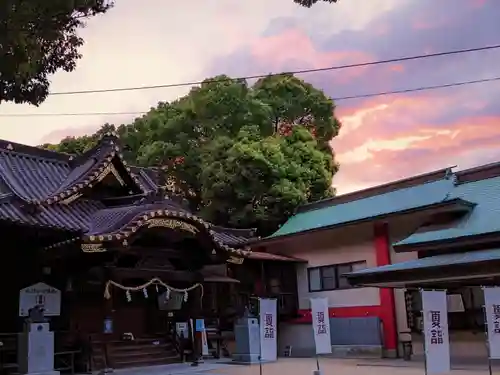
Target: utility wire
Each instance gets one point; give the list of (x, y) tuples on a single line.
[(297, 72), (370, 95)]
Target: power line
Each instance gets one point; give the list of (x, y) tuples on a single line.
[(297, 72), (360, 96)]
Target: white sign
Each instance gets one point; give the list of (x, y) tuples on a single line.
[(437, 344), (492, 310), (182, 329), (321, 325), (268, 330), (173, 302), (42, 295)]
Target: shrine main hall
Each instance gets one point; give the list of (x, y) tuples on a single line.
[(117, 263)]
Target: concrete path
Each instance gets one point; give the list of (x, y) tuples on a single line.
[(330, 366), (300, 366)]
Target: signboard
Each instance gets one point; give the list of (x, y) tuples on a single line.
[(182, 329), (492, 312), (268, 329), (42, 295), (173, 303), (437, 344), (108, 325), (200, 325), (321, 325)]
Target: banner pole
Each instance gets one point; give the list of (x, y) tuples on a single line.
[(486, 336), (317, 364), (423, 332)]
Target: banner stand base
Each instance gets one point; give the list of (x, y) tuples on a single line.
[(245, 363)]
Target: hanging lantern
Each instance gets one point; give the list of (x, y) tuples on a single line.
[(185, 296), (128, 295), (156, 287), (167, 294), (145, 292)]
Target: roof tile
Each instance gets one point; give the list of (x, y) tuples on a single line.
[(29, 176), (391, 202), (433, 261), (481, 220)]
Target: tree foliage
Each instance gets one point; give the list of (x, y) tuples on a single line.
[(240, 155), (38, 38), (310, 3), (254, 182)]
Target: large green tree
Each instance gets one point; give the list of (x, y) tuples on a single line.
[(250, 181), (37, 39), (241, 155)]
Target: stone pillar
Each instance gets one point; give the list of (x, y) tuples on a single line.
[(36, 349), (247, 334)]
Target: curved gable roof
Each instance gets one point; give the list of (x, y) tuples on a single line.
[(41, 176)]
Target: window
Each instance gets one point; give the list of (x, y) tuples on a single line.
[(330, 277)]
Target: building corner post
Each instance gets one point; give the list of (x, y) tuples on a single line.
[(382, 246)]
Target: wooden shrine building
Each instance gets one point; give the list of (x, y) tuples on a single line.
[(128, 261)]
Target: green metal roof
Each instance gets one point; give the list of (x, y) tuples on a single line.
[(371, 207), (435, 261), (484, 218)]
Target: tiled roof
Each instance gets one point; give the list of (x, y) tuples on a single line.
[(431, 262), (72, 217), (36, 175), (31, 178), (482, 219), (232, 236), (112, 220), (96, 158), (388, 203), (146, 178), (121, 222)]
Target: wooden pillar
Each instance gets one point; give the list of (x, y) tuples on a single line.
[(107, 309), (196, 313)]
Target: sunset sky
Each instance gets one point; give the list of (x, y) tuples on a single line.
[(382, 139)]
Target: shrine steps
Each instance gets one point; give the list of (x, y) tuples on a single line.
[(137, 353)]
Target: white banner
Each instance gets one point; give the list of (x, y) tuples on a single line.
[(492, 312), (268, 330), (321, 325), (437, 344)]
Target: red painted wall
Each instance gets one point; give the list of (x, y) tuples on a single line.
[(387, 306), (341, 312)]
